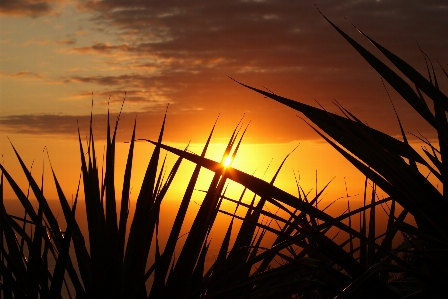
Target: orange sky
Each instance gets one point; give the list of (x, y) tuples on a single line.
[(54, 54)]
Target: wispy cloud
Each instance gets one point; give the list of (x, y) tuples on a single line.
[(38, 42), (40, 124), (70, 41), (136, 100), (192, 124), (32, 8), (26, 75), (255, 36), (102, 48), (182, 52), (179, 127)]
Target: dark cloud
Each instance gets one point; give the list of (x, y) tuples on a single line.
[(40, 124), (189, 123), (261, 28), (180, 127), (129, 79), (223, 38), (123, 97), (32, 8), (284, 45), (63, 125), (182, 52), (70, 41)]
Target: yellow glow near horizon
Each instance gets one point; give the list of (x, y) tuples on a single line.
[(310, 159), (227, 161)]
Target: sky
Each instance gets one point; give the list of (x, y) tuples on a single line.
[(57, 56)]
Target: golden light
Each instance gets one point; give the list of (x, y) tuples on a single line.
[(227, 161)]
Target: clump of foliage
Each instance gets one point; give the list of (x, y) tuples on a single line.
[(315, 266), (392, 165)]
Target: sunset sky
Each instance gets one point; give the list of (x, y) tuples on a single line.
[(55, 54)]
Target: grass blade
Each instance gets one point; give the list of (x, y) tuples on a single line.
[(133, 285), (124, 211), (63, 257), (168, 253)]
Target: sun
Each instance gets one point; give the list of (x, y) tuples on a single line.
[(227, 161)]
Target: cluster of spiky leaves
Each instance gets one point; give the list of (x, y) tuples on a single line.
[(312, 265), (114, 268), (392, 165)]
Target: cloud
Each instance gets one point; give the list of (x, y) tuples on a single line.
[(189, 48), (101, 48), (20, 74), (26, 75), (66, 126), (255, 37), (182, 52), (70, 41), (40, 124), (32, 8), (37, 42), (135, 100), (183, 127), (130, 80)]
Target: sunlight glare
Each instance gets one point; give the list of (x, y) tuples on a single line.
[(227, 161)]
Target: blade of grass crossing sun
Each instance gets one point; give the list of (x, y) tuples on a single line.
[(167, 255), (260, 187), (218, 191), (181, 274), (241, 247)]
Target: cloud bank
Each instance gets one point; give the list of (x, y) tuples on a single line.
[(32, 8), (182, 52)]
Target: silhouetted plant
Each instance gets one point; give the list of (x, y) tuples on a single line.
[(315, 266), (392, 165)]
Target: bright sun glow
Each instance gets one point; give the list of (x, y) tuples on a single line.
[(227, 161)]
